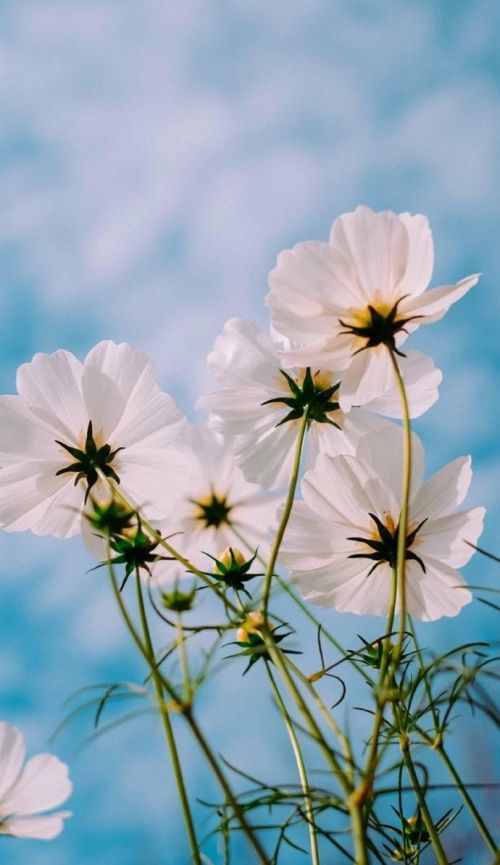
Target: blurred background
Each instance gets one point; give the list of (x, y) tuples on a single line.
[(155, 159)]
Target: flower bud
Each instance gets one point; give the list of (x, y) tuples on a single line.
[(230, 558)]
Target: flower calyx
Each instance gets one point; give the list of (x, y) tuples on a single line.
[(380, 328), (233, 569), (308, 394), (178, 601), (249, 638), (384, 548), (110, 518), (213, 510), (135, 550), (90, 461)]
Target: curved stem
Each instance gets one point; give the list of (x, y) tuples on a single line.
[(422, 804), (195, 729), (286, 512), (405, 499), (481, 825), (167, 727), (301, 767), (170, 549), (146, 649)]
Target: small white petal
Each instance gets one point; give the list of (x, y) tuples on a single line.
[(22, 436), (40, 828), (421, 379), (444, 491), (342, 489), (50, 387), (12, 753), (43, 784), (383, 452), (438, 592), (370, 374), (433, 304), (449, 538), (376, 246)]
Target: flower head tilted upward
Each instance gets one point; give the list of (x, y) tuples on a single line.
[(25, 792), (260, 403), (75, 427), (342, 539), (218, 508), (348, 301)]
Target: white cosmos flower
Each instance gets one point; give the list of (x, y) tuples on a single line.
[(110, 410), (338, 541), (26, 791), (345, 301), (218, 508), (245, 363)]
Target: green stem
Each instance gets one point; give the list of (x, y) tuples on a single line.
[(439, 748), (171, 550), (181, 645), (285, 585), (195, 729), (422, 804), (167, 727), (230, 796), (146, 650), (299, 759), (327, 716), (403, 515), (280, 662), (286, 512)]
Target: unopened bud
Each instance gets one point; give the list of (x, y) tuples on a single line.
[(230, 557)]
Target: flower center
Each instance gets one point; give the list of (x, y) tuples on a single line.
[(383, 544), (212, 510), (90, 461), (378, 325), (313, 391)]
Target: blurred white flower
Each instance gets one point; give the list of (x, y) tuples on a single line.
[(341, 540), (72, 421), (257, 403), (41, 785), (345, 302), (217, 509)]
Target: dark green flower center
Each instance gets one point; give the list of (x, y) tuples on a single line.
[(385, 547), (381, 328), (90, 461), (213, 510), (311, 394)]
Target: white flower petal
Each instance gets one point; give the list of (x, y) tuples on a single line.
[(443, 492), (42, 785), (420, 261), (242, 354), (309, 541), (12, 753), (370, 374), (50, 386), (26, 492), (22, 436), (123, 398), (153, 480), (449, 538), (376, 246), (432, 305), (342, 489), (310, 286), (421, 379), (41, 828), (383, 452), (440, 591)]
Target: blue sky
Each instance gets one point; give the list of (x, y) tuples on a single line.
[(155, 158)]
